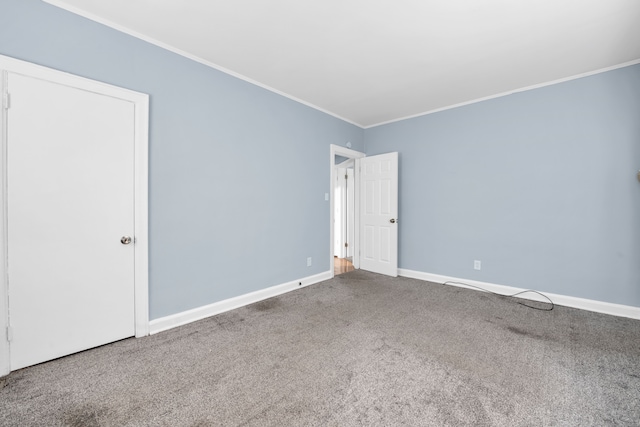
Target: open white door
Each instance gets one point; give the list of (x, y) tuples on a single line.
[(379, 213)]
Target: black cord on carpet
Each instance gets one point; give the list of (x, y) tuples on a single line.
[(508, 296)]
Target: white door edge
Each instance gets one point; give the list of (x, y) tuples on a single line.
[(350, 154), (5, 356), (141, 216)]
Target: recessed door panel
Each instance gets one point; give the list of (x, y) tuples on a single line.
[(385, 245), (385, 197), (369, 205), (369, 242)]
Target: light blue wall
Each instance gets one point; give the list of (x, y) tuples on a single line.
[(540, 186), (237, 173)]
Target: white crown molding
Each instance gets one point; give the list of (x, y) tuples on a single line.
[(199, 313), (62, 5), (564, 300), (511, 92)]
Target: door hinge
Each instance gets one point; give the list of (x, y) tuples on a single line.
[(346, 245), (9, 333), (346, 176), (6, 101)]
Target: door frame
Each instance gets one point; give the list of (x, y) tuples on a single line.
[(350, 154), (141, 174)]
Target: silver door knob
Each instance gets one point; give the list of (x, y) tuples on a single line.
[(125, 240), (393, 221)]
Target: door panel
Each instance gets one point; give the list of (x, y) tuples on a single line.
[(385, 244), (379, 201), (369, 252), (70, 198)]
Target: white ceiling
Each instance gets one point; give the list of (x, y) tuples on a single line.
[(375, 61)]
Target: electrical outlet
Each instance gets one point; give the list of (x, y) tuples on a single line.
[(309, 262), (477, 265)]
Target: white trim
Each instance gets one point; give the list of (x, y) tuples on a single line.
[(349, 163), (355, 260), (350, 154), (345, 152), (141, 220), (189, 316), (511, 92), (77, 11), (564, 300), (5, 355)]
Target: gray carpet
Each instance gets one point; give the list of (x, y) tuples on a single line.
[(358, 350)]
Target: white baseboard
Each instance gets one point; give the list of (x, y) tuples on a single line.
[(179, 319), (567, 301)]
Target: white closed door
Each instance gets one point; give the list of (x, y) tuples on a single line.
[(379, 214), (70, 200)]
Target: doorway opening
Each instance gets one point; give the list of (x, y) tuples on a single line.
[(344, 210), (344, 215)]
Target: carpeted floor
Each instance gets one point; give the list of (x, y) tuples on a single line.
[(359, 350)]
